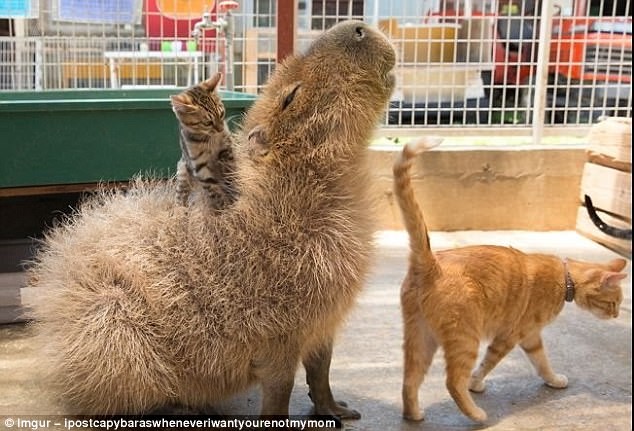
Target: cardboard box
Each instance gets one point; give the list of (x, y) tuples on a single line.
[(423, 43), (475, 41), (427, 84)]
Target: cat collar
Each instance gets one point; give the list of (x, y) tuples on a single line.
[(570, 284)]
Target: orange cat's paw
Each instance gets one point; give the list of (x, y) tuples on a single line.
[(477, 385), (416, 416), (559, 381), (478, 415)]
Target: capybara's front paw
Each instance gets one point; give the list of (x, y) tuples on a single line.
[(337, 409)]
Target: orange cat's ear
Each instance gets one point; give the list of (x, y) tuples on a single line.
[(211, 83), (182, 104), (610, 280), (617, 265)]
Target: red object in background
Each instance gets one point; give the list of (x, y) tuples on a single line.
[(228, 5), (161, 27)]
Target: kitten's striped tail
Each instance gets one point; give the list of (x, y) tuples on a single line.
[(420, 249)]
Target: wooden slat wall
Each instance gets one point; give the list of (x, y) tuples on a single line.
[(610, 189), (607, 179)]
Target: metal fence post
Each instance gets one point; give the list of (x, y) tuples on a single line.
[(541, 81)]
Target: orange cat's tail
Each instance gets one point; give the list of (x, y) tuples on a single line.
[(420, 249)]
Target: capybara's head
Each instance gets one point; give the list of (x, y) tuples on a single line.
[(325, 103)]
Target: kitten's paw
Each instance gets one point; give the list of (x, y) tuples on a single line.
[(416, 415), (477, 385), (559, 381), (478, 415)]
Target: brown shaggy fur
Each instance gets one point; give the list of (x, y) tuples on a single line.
[(457, 298), (147, 303)]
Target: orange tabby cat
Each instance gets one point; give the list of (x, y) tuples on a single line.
[(456, 298)]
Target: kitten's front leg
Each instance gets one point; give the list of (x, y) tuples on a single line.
[(183, 181), (534, 348)]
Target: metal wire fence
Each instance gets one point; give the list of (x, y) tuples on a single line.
[(482, 64)]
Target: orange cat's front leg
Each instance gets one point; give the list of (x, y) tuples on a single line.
[(534, 349)]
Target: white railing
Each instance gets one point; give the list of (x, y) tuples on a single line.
[(476, 65)]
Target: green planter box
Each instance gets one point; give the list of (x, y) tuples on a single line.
[(79, 136)]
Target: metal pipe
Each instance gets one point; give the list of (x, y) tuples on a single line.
[(202, 24), (226, 26), (229, 33)]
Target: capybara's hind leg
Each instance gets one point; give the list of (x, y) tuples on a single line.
[(276, 392), (317, 365), (275, 370)]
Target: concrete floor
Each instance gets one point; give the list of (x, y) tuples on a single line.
[(366, 370)]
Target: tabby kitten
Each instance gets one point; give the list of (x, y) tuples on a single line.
[(456, 298), (603, 226), (207, 162)]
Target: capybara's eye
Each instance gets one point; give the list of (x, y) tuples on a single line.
[(289, 98), (360, 33)]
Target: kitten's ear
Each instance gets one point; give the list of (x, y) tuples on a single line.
[(610, 280), (211, 83), (617, 265), (182, 104)]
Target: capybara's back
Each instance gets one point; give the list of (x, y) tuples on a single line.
[(98, 324), (146, 302)]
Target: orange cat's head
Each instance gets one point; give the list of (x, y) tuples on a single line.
[(598, 287)]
